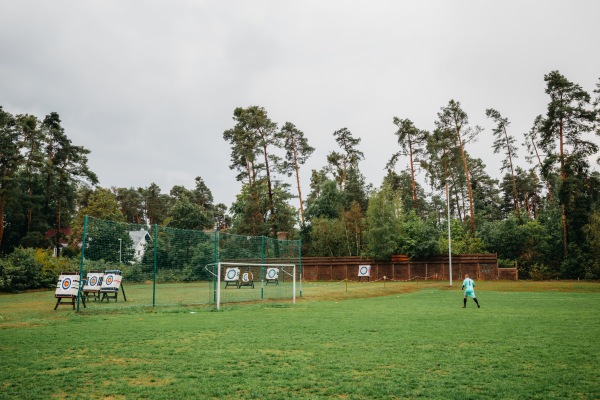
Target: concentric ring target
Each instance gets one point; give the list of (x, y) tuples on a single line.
[(364, 270), (93, 280), (231, 274), (271, 274), (66, 283), (109, 280)]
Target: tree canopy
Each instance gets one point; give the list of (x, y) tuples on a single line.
[(541, 215)]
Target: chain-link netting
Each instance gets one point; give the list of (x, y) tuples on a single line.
[(155, 265)]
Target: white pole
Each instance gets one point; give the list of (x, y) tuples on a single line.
[(294, 286), (120, 246), (449, 235)]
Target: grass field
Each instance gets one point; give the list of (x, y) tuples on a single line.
[(529, 340)]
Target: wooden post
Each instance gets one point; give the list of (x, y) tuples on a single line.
[(330, 271)]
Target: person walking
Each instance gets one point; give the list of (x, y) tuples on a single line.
[(469, 287)]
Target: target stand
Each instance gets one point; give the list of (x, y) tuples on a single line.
[(68, 289), (92, 285), (232, 277), (272, 276), (364, 271), (246, 279), (111, 286)]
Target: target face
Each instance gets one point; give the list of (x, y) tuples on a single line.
[(66, 283), (232, 274), (364, 270), (246, 276), (94, 281), (272, 273), (109, 280)]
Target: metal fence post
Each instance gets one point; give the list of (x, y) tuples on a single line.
[(155, 256), (85, 222)]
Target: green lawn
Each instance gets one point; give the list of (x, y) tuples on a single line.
[(365, 341)]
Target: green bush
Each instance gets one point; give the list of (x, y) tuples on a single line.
[(20, 271), (541, 272), (134, 273), (32, 269)]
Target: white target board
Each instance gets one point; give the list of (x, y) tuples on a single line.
[(111, 281), (364, 271), (232, 274), (93, 281), (272, 273), (68, 286)]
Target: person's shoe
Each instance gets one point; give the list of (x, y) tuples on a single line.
[(464, 306), (478, 306)]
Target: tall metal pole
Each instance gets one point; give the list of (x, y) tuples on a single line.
[(84, 239), (155, 258), (120, 247), (449, 234), (300, 256), (216, 269)]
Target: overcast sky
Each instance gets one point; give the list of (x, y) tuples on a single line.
[(149, 86)]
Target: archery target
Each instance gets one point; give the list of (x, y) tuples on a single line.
[(247, 277), (94, 280), (272, 273), (232, 274), (68, 285), (111, 281), (364, 270)]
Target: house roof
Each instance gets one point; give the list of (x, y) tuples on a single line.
[(138, 236), (52, 232)]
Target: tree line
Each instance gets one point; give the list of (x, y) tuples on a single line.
[(543, 216)]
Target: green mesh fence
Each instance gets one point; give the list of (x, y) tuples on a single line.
[(256, 255), (161, 266)]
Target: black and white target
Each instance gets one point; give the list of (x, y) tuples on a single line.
[(364, 270), (232, 274), (272, 273)]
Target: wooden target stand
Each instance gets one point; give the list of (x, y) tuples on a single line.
[(68, 289), (92, 285), (234, 277), (246, 279), (111, 286)]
